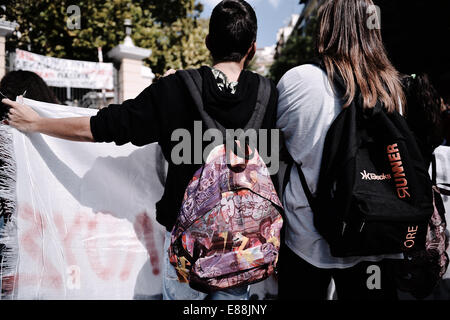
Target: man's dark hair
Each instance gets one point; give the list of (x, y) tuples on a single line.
[(232, 30)]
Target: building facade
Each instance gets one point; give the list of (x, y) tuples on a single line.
[(297, 24)]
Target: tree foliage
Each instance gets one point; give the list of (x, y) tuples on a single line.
[(172, 29), (299, 49)]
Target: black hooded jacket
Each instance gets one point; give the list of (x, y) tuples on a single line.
[(167, 105)]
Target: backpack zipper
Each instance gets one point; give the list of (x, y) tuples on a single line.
[(344, 226), (362, 226)]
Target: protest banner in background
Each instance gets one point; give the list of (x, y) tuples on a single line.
[(84, 224), (66, 73)]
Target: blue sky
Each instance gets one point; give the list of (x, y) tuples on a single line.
[(272, 15)]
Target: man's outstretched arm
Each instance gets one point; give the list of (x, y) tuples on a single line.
[(25, 119)]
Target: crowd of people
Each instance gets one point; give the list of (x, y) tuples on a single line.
[(352, 69)]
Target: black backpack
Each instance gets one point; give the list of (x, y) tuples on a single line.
[(374, 194)]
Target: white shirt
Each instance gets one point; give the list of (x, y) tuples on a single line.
[(307, 107)]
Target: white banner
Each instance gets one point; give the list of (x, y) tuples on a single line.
[(66, 73), (84, 226)]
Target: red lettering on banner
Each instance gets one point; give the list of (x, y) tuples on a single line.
[(67, 234), (144, 231), (128, 264), (51, 275), (103, 271), (104, 263)]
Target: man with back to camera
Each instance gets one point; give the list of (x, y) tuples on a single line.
[(229, 96)]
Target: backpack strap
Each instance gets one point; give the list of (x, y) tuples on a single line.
[(262, 102), (433, 169), (445, 192), (301, 175), (194, 82), (309, 196), (305, 187)]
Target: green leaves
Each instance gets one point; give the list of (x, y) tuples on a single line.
[(170, 28)]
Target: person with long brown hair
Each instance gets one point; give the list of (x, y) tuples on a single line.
[(349, 49)]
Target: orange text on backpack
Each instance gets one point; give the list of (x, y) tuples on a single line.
[(411, 236), (398, 171)]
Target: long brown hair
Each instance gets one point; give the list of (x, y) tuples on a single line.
[(348, 45)]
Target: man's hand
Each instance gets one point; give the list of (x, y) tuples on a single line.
[(21, 117)]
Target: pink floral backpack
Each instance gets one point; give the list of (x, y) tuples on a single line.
[(228, 229)]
